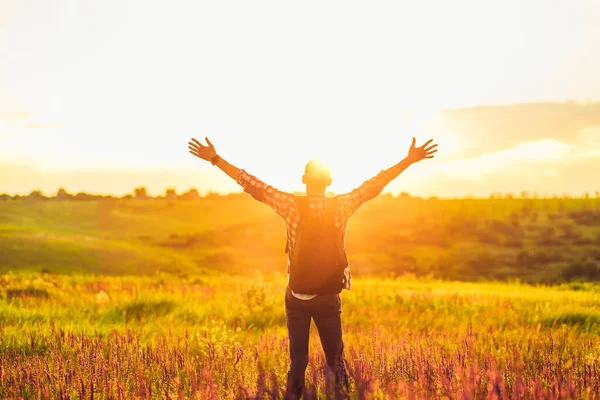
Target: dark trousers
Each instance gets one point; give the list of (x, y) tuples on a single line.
[(326, 311)]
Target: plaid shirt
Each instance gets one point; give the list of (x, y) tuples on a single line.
[(284, 204)]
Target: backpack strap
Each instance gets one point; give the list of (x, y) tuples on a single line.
[(302, 204)]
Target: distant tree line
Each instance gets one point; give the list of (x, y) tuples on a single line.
[(139, 193), (528, 195)]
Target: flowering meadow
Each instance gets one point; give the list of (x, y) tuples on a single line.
[(223, 337)]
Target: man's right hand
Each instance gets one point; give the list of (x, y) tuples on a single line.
[(201, 151)]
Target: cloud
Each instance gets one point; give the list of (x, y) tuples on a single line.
[(24, 119), (544, 166), (589, 137), (16, 115), (24, 135), (524, 155), (483, 129)]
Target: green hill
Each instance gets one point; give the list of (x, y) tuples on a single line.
[(541, 240)]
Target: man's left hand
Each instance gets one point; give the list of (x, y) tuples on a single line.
[(416, 154)]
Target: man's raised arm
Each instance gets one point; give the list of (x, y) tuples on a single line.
[(276, 199), (370, 189), (415, 154), (208, 153)]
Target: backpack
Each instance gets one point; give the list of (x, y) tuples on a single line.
[(318, 258)]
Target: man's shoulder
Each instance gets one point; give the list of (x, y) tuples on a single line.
[(338, 198)]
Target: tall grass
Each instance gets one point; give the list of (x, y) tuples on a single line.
[(224, 337)]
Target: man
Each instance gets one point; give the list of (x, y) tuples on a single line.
[(317, 264)]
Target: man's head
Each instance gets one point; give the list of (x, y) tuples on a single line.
[(316, 177)]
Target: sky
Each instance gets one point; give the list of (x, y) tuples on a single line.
[(103, 96)]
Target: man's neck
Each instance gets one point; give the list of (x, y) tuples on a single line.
[(315, 192)]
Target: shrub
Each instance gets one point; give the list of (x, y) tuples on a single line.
[(586, 217), (582, 271), (31, 292), (140, 310)]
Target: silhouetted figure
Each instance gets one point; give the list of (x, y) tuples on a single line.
[(318, 267)]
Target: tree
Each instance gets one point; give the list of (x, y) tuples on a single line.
[(141, 193), (62, 194), (83, 196), (191, 194), (212, 195), (36, 195), (170, 194)]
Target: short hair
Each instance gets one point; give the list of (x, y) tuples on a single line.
[(315, 170)]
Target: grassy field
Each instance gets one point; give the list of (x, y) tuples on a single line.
[(224, 337), (184, 299)]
